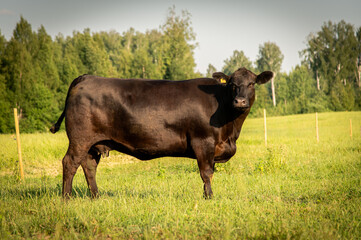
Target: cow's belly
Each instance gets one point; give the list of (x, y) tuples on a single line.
[(148, 152), (149, 143)]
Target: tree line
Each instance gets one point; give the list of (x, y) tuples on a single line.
[(36, 70), (328, 78)]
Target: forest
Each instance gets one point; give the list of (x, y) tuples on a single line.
[(36, 69)]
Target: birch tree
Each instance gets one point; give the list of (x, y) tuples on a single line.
[(270, 59)]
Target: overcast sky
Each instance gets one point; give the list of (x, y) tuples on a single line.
[(220, 26)]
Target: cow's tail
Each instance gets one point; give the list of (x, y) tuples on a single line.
[(56, 126)]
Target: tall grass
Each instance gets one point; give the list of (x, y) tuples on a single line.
[(294, 188)]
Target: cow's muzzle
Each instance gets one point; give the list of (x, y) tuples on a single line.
[(240, 103)]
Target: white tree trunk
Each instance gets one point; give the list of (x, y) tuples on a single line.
[(273, 92), (359, 76)]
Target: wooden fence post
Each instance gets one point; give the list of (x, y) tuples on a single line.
[(18, 143), (265, 127), (317, 136)]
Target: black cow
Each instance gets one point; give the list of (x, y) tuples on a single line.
[(199, 118)]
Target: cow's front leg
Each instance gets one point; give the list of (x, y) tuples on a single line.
[(205, 160), (206, 170)]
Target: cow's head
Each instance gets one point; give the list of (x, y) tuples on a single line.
[(241, 86)]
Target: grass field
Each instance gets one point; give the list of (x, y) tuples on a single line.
[(295, 188)]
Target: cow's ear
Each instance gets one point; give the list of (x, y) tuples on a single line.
[(264, 77), (221, 77)]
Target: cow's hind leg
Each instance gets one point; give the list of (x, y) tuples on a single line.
[(89, 166), (71, 162)]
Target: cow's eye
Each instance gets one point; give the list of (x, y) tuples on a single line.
[(251, 85)]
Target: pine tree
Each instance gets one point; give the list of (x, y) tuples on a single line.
[(237, 60), (67, 61), (17, 64), (177, 37), (157, 52), (141, 65), (92, 54), (302, 90), (41, 109), (5, 106), (43, 61), (210, 70)]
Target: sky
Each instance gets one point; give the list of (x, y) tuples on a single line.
[(220, 26)]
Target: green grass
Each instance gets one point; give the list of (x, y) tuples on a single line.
[(295, 188)]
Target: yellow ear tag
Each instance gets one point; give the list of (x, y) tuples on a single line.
[(223, 80)]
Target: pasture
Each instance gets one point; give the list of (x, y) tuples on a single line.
[(293, 188)]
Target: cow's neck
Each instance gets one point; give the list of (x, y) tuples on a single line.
[(239, 119), (238, 123)]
